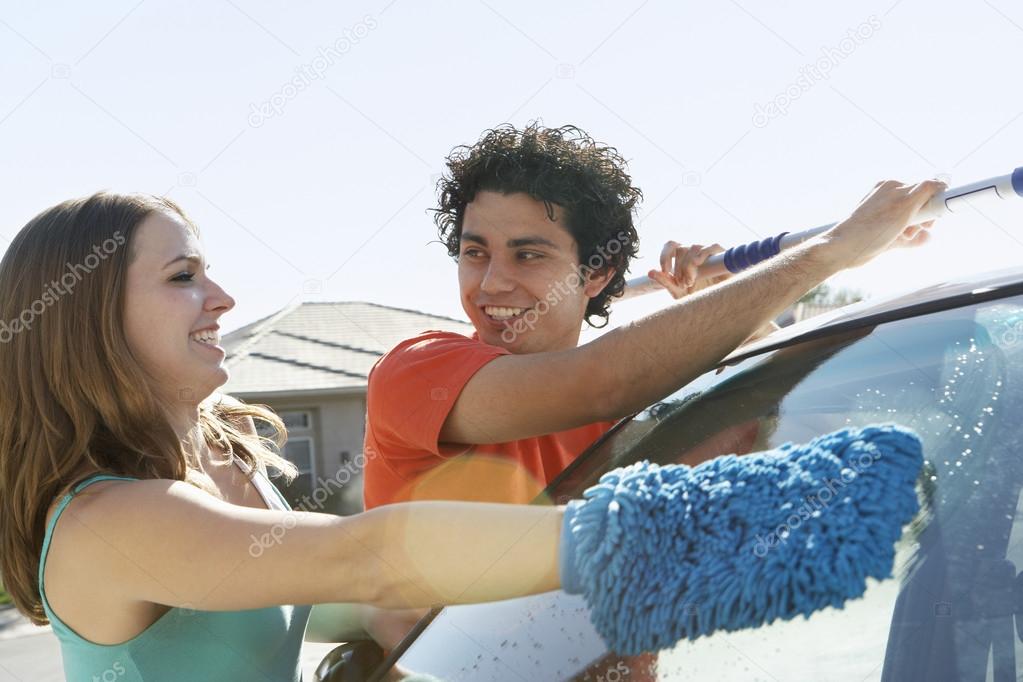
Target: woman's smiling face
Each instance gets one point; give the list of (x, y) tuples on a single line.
[(171, 309)]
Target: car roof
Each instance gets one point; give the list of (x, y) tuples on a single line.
[(917, 300)]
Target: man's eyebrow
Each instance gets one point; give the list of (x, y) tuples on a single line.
[(512, 243), (532, 241), (194, 258)]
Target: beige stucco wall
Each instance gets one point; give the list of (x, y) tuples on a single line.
[(338, 425)]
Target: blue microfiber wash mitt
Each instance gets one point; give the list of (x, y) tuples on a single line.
[(663, 553)]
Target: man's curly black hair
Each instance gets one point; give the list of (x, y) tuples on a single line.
[(562, 166)]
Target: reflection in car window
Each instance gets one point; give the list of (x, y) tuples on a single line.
[(949, 613)]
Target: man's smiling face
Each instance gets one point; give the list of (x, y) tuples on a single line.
[(518, 274)]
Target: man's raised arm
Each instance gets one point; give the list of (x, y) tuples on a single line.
[(523, 395)]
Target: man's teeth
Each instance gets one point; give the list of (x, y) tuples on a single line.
[(209, 337), (503, 313)]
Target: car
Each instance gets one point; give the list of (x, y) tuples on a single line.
[(946, 361)]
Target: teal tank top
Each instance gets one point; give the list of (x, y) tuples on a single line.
[(255, 645)]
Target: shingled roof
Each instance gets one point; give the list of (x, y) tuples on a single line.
[(321, 347)]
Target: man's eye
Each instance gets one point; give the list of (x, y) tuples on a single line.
[(529, 255), (472, 253)]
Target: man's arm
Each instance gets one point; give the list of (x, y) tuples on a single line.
[(623, 371)]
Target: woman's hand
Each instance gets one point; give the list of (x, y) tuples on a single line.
[(679, 268)]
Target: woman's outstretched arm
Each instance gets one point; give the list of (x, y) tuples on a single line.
[(679, 537), (166, 542), (430, 553)]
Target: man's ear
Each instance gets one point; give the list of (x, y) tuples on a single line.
[(597, 281)]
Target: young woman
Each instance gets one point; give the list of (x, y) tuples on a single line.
[(108, 362), (136, 515)]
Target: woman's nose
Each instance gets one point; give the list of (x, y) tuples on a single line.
[(218, 299)]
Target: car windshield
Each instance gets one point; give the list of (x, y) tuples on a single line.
[(950, 611)]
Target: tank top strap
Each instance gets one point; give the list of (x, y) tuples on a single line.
[(64, 501), (265, 487)]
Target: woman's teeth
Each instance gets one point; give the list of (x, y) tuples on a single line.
[(208, 337), (501, 313)]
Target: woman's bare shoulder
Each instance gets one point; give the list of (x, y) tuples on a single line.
[(101, 501)]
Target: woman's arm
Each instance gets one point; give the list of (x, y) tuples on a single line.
[(431, 553), (166, 542)]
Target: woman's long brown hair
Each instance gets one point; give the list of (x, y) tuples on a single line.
[(74, 401)]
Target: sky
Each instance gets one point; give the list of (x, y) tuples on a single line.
[(306, 139)]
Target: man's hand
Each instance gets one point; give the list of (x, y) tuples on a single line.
[(914, 236), (678, 274), (679, 264), (883, 220)]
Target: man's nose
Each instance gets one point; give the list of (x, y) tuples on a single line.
[(497, 279)]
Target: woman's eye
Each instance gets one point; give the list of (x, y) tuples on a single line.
[(183, 277)]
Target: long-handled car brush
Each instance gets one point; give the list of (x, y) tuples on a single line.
[(740, 257)]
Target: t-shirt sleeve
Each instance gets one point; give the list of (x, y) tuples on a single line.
[(412, 389)]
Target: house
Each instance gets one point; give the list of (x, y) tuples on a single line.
[(309, 363)]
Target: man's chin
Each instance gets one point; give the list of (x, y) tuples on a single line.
[(508, 339)]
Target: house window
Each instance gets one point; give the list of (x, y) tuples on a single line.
[(296, 419), (300, 450)]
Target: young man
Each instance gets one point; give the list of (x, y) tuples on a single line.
[(540, 222)]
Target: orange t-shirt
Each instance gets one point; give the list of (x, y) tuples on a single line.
[(411, 392)]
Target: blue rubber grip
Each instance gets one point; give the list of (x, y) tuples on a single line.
[(1017, 181), (738, 258)]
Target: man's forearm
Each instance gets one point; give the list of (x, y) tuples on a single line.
[(764, 331), (645, 360)]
